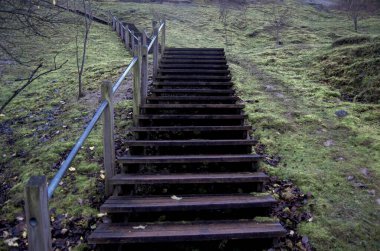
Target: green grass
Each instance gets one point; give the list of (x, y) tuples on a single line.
[(293, 109), (287, 101), (46, 118)]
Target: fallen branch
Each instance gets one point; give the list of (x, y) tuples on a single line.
[(30, 80)]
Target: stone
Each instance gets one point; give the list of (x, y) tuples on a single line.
[(341, 113)]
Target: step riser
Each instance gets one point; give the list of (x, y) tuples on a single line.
[(193, 77), (153, 111), (210, 101), (189, 150), (193, 135), (194, 61), (193, 66), (216, 86), (180, 122)]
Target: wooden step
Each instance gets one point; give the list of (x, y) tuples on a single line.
[(192, 106), (192, 77), (192, 142), (179, 232), (190, 128), (193, 61), (190, 91), (193, 71), (193, 49), (193, 66), (228, 99), (191, 117), (198, 53), (139, 204), (193, 84), (189, 178), (226, 158), (198, 57)]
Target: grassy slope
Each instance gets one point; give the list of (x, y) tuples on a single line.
[(293, 111), (46, 119)]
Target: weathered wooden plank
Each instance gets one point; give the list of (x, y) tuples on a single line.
[(226, 158), (124, 204), (190, 178), (37, 214), (194, 231)]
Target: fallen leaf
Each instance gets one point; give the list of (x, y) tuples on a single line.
[(101, 215), (12, 242), (5, 234), (139, 227), (71, 169), (20, 218), (102, 176), (92, 148), (2, 115), (176, 198), (24, 235), (310, 220)]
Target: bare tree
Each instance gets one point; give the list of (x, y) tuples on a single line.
[(32, 77), (81, 57), (224, 12), (279, 19), (20, 19), (356, 9)]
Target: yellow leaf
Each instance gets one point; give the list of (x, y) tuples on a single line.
[(71, 169), (92, 148), (176, 198)]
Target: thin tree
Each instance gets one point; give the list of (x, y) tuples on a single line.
[(356, 9), (81, 57), (224, 12), (279, 19)]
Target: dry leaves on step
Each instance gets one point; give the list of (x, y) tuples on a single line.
[(176, 198)]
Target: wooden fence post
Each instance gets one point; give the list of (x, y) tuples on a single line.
[(163, 37), (137, 81), (133, 43), (37, 214), (144, 69), (108, 136), (113, 23), (155, 49), (126, 37), (122, 31)]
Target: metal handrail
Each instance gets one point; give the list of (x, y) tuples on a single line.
[(99, 111), (66, 163), (161, 26), (120, 80), (153, 39)]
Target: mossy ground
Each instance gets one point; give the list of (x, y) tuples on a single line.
[(40, 126), (292, 109)]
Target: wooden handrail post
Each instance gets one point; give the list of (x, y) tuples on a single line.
[(133, 43), (108, 136), (122, 31), (144, 69), (113, 23), (118, 28), (163, 37), (126, 37), (37, 214), (155, 49), (136, 80)]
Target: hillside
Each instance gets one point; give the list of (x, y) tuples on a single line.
[(298, 94)]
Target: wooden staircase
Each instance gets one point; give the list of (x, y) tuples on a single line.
[(190, 177)]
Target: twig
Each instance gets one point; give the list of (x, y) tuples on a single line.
[(30, 80)]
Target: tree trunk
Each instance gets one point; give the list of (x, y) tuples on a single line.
[(355, 19)]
